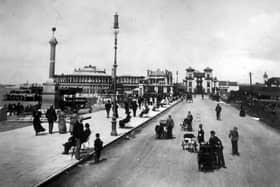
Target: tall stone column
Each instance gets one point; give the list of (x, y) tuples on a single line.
[(49, 87), (53, 42)]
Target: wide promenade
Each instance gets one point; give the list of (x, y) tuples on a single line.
[(28, 160), (146, 161)]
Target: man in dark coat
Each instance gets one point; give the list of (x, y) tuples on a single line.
[(98, 145), (72, 142), (217, 150), (169, 126), (200, 134), (126, 107), (189, 121), (218, 110), (78, 135), (234, 136), (134, 107), (51, 116), (108, 108)]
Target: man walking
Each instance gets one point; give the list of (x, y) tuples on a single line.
[(108, 108), (98, 145), (51, 116), (200, 134), (170, 125), (218, 110), (78, 133), (134, 107), (234, 136), (217, 150)]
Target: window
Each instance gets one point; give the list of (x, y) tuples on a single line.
[(190, 84), (208, 84)]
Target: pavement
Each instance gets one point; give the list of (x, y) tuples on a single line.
[(29, 160)]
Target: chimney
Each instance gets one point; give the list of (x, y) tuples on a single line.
[(53, 42)]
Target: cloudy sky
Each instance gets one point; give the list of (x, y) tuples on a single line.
[(233, 37)]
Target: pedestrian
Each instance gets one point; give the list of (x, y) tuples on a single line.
[(242, 111), (98, 146), (169, 126), (217, 150), (72, 142), (73, 120), (234, 136), (126, 107), (52, 117), (139, 102), (218, 110), (200, 134), (78, 131), (37, 121), (108, 106), (134, 107), (61, 123), (189, 121)]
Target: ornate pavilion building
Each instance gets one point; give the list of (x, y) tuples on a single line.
[(200, 82)]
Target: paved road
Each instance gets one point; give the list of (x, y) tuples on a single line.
[(144, 161)]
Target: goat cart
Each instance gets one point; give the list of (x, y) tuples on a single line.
[(160, 130), (205, 158)]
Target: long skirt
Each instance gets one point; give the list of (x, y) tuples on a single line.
[(37, 126)]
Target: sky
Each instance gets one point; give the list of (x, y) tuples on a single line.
[(233, 37)]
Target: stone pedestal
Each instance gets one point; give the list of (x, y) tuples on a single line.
[(48, 95)]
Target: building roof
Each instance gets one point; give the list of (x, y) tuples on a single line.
[(208, 69), (190, 69)]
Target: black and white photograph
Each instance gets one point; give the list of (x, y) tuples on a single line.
[(139, 93)]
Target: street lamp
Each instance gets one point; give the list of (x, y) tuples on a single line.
[(116, 31), (215, 85)]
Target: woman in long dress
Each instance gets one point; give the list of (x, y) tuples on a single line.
[(37, 121)]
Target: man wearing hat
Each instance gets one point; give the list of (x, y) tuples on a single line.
[(217, 149), (233, 135)]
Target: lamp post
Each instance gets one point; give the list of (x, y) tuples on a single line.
[(215, 85), (116, 31)]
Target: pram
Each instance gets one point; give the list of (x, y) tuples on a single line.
[(205, 158), (160, 129), (189, 142)]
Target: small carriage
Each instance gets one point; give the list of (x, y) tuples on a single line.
[(189, 98), (160, 129), (205, 158), (189, 142)]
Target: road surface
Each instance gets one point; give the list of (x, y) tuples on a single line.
[(145, 161)]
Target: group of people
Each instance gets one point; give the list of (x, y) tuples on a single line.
[(80, 135), (165, 128), (216, 144), (51, 117), (217, 147)]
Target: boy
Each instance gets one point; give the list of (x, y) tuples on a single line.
[(98, 145)]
